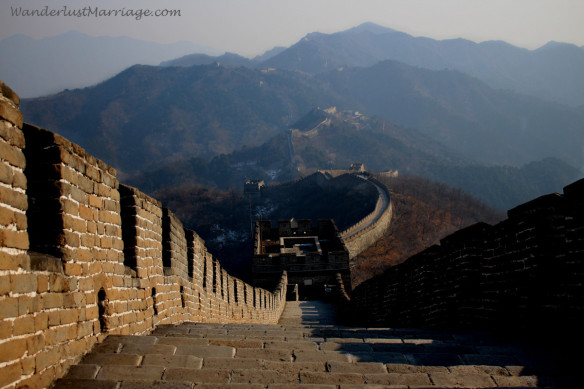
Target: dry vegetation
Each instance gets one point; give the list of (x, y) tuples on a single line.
[(424, 213)]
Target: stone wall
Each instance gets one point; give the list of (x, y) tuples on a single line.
[(524, 273), (83, 256), (357, 239)]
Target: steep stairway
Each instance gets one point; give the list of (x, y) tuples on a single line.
[(308, 350)]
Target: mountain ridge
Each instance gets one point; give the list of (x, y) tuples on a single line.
[(203, 111), (498, 63)]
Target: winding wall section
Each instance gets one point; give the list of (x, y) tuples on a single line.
[(368, 230)]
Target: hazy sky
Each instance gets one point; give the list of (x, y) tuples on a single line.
[(250, 27)]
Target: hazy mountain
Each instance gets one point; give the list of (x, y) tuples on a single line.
[(37, 67), (463, 113), (269, 54), (148, 115), (227, 59), (553, 72)]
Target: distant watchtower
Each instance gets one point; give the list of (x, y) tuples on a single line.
[(253, 187)]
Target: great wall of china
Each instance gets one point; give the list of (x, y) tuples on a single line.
[(83, 257)]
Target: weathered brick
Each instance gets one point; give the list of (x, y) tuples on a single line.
[(6, 174), (196, 375), (187, 361), (307, 377), (5, 286), (48, 357), (12, 349), (14, 261), (264, 376), (462, 380), (130, 373), (9, 307), (14, 239), (24, 325), (35, 343), (10, 373), (5, 329), (12, 155)]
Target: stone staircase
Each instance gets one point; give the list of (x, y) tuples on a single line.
[(308, 350)]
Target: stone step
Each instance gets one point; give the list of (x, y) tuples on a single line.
[(305, 355)]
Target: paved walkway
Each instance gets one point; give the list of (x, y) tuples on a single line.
[(307, 350)]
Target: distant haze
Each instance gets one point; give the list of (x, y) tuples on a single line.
[(253, 26)]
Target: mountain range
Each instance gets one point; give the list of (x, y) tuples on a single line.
[(554, 72), (38, 67), (148, 115), (219, 120)]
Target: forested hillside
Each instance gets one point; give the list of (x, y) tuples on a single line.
[(423, 213)]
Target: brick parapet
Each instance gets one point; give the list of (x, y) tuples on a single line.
[(525, 272), (83, 257), (356, 238)]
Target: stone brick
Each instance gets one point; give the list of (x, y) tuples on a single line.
[(5, 329), (112, 359), (85, 383), (206, 352), (14, 261), (344, 367), (5, 286), (121, 373), (267, 354), (14, 239), (462, 380), (9, 307), (412, 379), (24, 325), (87, 372), (164, 385), (196, 375), (35, 343), (6, 174), (318, 356), (523, 381), (9, 373), (263, 376), (331, 378), (48, 357), (186, 361), (12, 155)]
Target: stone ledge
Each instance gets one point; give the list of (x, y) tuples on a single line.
[(45, 262)]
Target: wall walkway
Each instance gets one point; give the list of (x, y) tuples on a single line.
[(83, 257)]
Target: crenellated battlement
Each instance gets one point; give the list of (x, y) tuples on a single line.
[(83, 256), (524, 273)]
